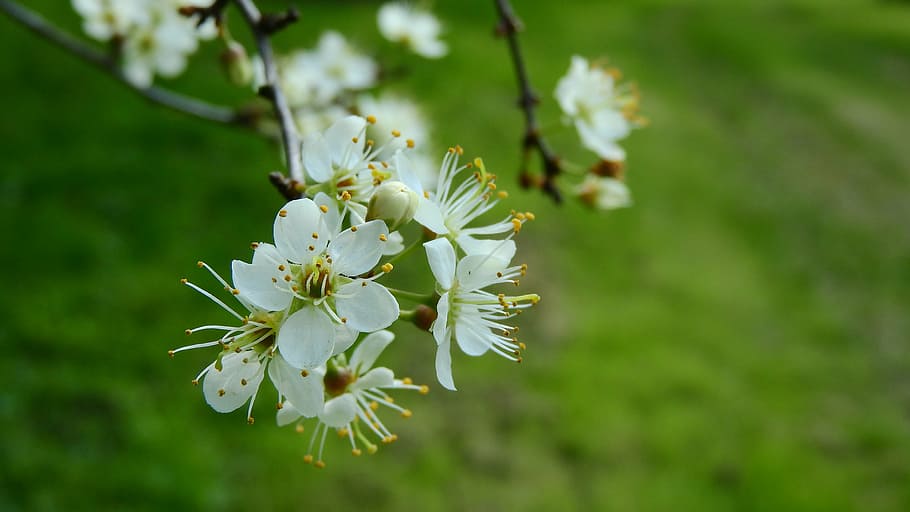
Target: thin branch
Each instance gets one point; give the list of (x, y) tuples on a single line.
[(508, 26), (262, 27), (178, 102)]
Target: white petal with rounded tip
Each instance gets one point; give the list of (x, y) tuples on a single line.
[(441, 256), (503, 249), (430, 216), (444, 365), (472, 337), (339, 411), (287, 414), (267, 253), (340, 139), (357, 252), (306, 393), (307, 338), (317, 160), (344, 338), (367, 306), (406, 173), (255, 284), (233, 385), (375, 378), (478, 271), (294, 231), (440, 329), (369, 349)]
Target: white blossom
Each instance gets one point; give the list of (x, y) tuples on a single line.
[(313, 270), (603, 192), (355, 391), (602, 111), (247, 350), (466, 312), (463, 193), (320, 76), (417, 29)]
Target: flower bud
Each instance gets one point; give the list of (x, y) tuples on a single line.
[(236, 64), (394, 203)]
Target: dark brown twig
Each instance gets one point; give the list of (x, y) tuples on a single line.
[(262, 27), (508, 27), (172, 100)]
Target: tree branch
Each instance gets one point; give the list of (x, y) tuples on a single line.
[(508, 27), (172, 100), (262, 27)]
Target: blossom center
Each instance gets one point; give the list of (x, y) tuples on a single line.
[(337, 380)]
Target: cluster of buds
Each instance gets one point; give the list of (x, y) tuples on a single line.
[(315, 306)]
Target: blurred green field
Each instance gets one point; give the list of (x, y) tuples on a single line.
[(736, 341)]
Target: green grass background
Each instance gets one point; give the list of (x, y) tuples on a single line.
[(736, 341)]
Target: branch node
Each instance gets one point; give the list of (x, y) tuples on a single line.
[(287, 187)]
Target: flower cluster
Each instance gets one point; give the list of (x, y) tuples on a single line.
[(308, 297), (151, 36), (603, 112)]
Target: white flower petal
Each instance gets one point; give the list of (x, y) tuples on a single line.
[(440, 326), (430, 216), (444, 365), (287, 414), (394, 244), (233, 385), (306, 393), (340, 139), (369, 349), (366, 305), (478, 271), (344, 338), (294, 230), (331, 217), (358, 249), (375, 378), (473, 338), (441, 256), (307, 338), (255, 282), (317, 160), (502, 249), (339, 411)]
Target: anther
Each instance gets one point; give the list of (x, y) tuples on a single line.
[(319, 464), (371, 119), (200, 264), (344, 319), (308, 459), (183, 281), (406, 413), (194, 382), (323, 208), (353, 229), (396, 133), (299, 429), (287, 277), (243, 382), (250, 420), (424, 389), (382, 237), (170, 353), (254, 245), (311, 248), (188, 332), (356, 452), (281, 268), (221, 392), (345, 196), (522, 346), (410, 143), (502, 194), (304, 373), (374, 405), (407, 381), (283, 213), (279, 406), (355, 140), (387, 268), (315, 235), (235, 291)]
